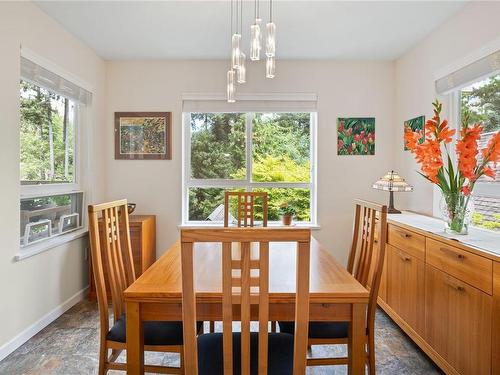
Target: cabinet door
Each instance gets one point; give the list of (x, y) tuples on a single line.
[(458, 322), (406, 287)]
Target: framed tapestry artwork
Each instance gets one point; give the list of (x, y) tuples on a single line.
[(143, 135), (356, 136)]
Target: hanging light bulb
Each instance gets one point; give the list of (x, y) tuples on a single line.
[(230, 86), (255, 42), (235, 50), (271, 39), (241, 73), (271, 33), (255, 36), (270, 67)]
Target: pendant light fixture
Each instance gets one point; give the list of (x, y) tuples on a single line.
[(230, 89), (235, 39), (237, 64), (255, 35), (241, 71), (270, 67), (271, 33)]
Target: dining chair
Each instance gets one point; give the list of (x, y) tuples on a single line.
[(245, 295), (115, 261), (365, 263), (246, 207), (245, 218)]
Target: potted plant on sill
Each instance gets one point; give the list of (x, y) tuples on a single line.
[(287, 212), (456, 182)]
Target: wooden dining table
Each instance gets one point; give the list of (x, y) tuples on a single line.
[(335, 295)]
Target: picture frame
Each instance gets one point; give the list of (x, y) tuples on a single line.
[(143, 135), (356, 136)]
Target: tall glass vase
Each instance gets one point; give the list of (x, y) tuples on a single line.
[(456, 209)]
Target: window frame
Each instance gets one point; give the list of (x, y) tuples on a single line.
[(28, 191), (247, 183), (47, 189)]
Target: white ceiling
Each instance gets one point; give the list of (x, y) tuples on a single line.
[(372, 30)]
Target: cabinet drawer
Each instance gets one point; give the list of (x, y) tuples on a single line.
[(470, 268), (406, 240)]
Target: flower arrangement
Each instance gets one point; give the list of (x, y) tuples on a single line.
[(455, 182)]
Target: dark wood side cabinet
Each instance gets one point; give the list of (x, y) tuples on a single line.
[(143, 241)]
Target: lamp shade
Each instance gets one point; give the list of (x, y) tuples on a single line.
[(392, 182)]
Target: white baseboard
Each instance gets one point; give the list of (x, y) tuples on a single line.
[(36, 327)]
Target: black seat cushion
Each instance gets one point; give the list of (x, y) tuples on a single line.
[(210, 354), (155, 333), (320, 330)]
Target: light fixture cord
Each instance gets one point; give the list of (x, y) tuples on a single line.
[(258, 9), (231, 18), (270, 10), (237, 18), (241, 17)]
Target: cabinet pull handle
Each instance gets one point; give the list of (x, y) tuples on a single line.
[(404, 258), (405, 235), (458, 288), (452, 253)]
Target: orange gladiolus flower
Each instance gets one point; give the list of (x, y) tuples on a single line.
[(411, 139), (490, 172), (466, 190), (491, 153), (467, 151)]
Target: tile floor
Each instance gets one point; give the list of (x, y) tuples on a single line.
[(69, 346)]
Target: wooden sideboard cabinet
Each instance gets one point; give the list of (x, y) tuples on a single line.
[(143, 241), (445, 295)]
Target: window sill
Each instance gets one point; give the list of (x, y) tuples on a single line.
[(269, 224), (31, 250)]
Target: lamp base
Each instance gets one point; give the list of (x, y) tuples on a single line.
[(391, 209)]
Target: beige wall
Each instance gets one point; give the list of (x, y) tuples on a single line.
[(33, 287), (475, 26), (343, 88)]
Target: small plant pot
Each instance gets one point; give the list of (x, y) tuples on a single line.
[(287, 219)]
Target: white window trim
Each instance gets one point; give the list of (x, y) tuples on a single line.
[(188, 182)]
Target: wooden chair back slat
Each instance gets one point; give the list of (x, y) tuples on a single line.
[(227, 306), (109, 225), (98, 271), (245, 308), (263, 305), (363, 263), (246, 207), (250, 290)]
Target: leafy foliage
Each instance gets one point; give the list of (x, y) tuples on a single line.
[(483, 103), (478, 220), (47, 152), (281, 143), (217, 144)]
